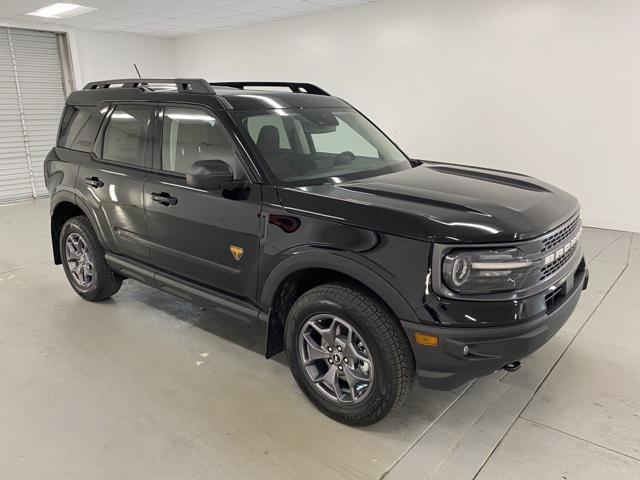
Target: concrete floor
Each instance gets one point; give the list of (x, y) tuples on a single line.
[(149, 386)]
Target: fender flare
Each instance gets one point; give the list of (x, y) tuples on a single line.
[(341, 262), (68, 196), (90, 213), (60, 196)]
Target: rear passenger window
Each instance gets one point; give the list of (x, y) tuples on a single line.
[(125, 137), (192, 134), (79, 128)]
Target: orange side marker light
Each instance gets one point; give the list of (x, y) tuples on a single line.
[(426, 340)]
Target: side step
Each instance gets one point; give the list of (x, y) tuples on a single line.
[(183, 288)]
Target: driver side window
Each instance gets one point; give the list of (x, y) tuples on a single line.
[(192, 134)]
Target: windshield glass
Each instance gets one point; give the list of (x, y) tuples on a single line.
[(320, 145)]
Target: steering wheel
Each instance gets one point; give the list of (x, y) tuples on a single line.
[(343, 158)]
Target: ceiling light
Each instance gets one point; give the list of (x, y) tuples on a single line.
[(61, 10)]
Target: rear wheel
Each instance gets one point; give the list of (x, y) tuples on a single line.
[(83, 261), (348, 353)]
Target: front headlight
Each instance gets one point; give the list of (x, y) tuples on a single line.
[(486, 271)]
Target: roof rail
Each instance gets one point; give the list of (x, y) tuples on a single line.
[(293, 86), (192, 85)]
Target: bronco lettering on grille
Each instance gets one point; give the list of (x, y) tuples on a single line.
[(560, 252)]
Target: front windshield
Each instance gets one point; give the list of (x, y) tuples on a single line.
[(320, 145)]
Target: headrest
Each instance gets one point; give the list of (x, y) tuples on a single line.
[(268, 139)]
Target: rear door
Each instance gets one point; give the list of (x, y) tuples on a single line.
[(111, 181), (209, 237)]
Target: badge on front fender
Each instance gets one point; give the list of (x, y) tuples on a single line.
[(237, 252)]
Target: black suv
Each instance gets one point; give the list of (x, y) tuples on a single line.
[(290, 210)]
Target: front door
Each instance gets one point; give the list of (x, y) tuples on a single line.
[(208, 237)]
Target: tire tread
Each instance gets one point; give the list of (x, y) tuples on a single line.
[(387, 332), (107, 281)]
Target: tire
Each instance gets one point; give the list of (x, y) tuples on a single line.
[(85, 267), (366, 393)]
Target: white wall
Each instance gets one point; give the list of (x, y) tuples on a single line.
[(102, 55), (546, 87)]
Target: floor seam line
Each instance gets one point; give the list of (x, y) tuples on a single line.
[(581, 439), (555, 364), (35, 232), (490, 406), (595, 257), (24, 268), (602, 228), (609, 261), (437, 419), (630, 245)]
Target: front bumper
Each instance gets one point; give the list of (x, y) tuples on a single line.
[(445, 366)]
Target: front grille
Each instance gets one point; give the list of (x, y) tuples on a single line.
[(558, 237), (553, 267)]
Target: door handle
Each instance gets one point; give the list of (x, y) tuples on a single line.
[(163, 198), (94, 182)]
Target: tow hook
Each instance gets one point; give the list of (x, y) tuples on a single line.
[(512, 367)]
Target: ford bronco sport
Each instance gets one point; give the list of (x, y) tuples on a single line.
[(282, 206)]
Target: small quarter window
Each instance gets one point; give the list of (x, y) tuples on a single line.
[(125, 137), (79, 128)]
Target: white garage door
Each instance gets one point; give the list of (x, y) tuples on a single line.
[(31, 101)]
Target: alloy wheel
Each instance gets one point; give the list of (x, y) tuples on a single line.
[(79, 260), (336, 359)]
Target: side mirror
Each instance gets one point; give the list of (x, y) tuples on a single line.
[(209, 174)]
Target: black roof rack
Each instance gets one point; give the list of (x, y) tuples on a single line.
[(193, 85), (293, 86)]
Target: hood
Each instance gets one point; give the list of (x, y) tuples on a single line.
[(440, 202)]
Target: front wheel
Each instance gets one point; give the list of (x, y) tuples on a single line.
[(348, 354)]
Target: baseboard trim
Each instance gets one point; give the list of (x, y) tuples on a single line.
[(610, 224)]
